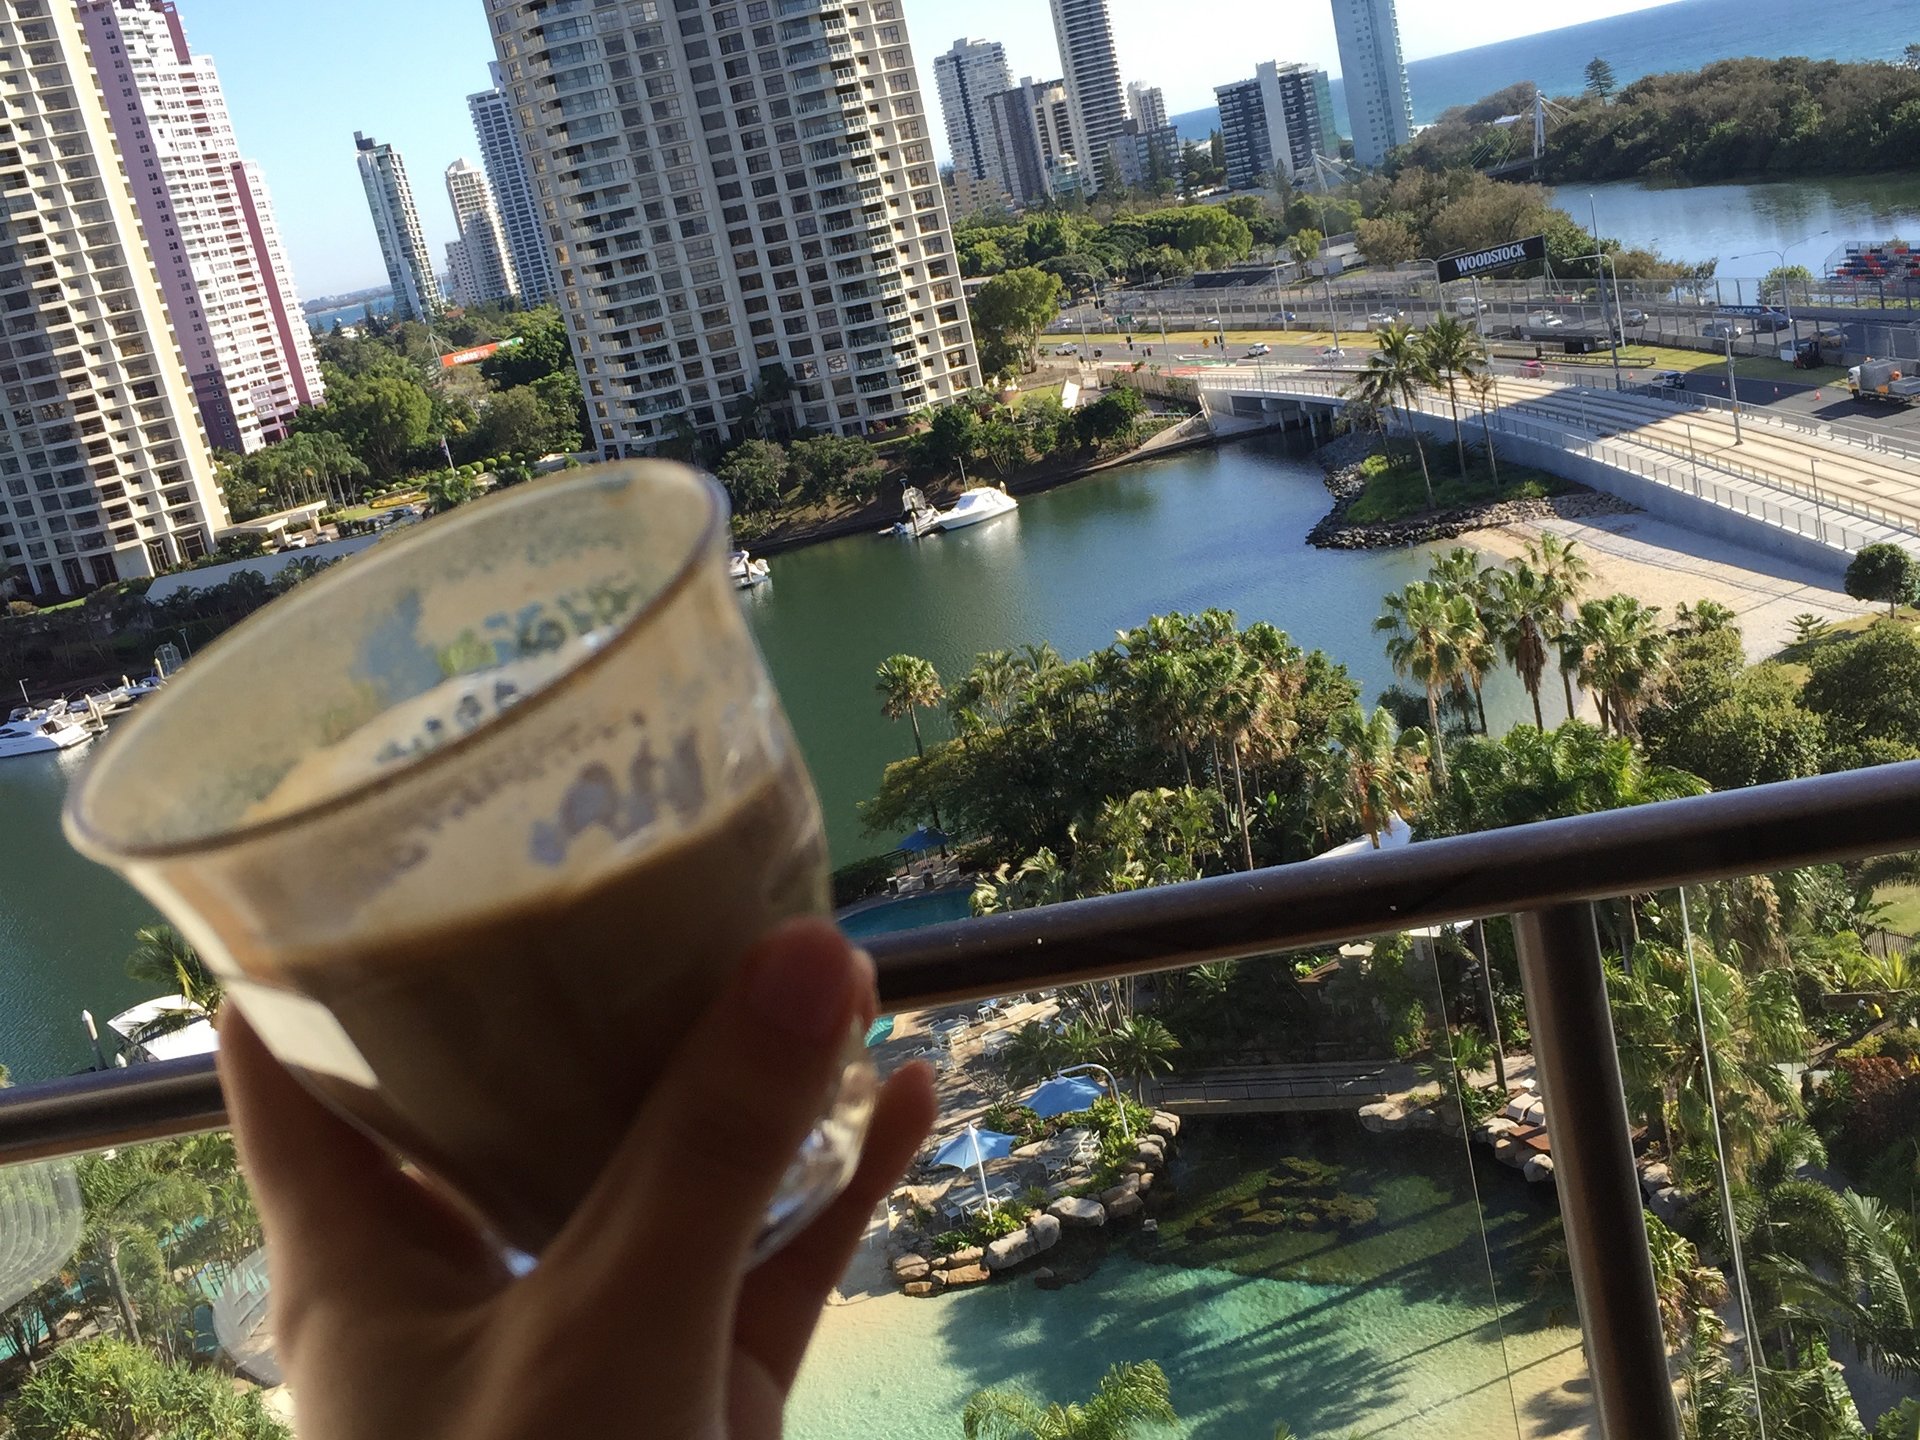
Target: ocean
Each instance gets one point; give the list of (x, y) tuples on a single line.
[(1682, 36)]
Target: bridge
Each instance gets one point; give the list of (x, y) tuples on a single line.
[(1280, 1089), (1814, 492)]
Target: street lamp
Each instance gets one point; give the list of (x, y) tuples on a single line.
[(1786, 293), (1611, 322)]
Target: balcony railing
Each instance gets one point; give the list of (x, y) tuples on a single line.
[(1544, 875)]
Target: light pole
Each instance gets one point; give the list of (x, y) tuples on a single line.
[(1333, 317), (1610, 321), (1786, 293), (1733, 388)]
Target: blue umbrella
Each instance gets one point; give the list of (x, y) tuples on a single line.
[(922, 840), (1064, 1094), (972, 1150)]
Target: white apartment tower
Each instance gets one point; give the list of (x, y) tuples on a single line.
[(403, 245), (1379, 105), (1146, 104), (504, 153), (105, 472), (483, 245), (209, 223), (965, 76), (1095, 101), (738, 189)]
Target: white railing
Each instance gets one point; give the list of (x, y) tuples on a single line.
[(1638, 457)]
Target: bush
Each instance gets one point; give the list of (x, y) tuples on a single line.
[(860, 880), (22, 607)]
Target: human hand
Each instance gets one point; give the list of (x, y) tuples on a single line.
[(394, 1317)]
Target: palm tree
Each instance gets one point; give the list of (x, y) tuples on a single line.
[(1382, 769), (448, 492), (1453, 353), (1617, 647), (1875, 1299), (907, 685), (1484, 388), (1391, 382), (1524, 617), (1428, 634), (161, 956), (1567, 576), (1130, 1395), (1140, 1047), (1031, 1054)]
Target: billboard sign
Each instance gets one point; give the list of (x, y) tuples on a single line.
[(1470, 263)]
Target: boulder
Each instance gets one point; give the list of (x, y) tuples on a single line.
[(1146, 1182), (1508, 1151), (969, 1256), (1043, 1275), (1078, 1211), (909, 1268), (1136, 1167), (1655, 1177), (968, 1275), (1011, 1250), (920, 1288), (1150, 1229), (1150, 1149), (1129, 1186), (1380, 1117), (1126, 1205), (1045, 1230), (1165, 1123), (1538, 1168), (1667, 1204)]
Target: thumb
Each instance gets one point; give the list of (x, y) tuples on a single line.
[(683, 1200)]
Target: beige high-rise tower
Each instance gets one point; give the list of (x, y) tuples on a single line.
[(734, 192), (483, 269), (105, 472)]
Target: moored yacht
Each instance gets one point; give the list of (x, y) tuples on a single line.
[(40, 733), (976, 506), (746, 571)]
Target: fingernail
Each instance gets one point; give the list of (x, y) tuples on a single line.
[(805, 988)]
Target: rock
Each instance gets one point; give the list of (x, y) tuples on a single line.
[(1655, 1177), (1130, 1186), (1150, 1149), (911, 1267), (1150, 1229), (1509, 1151), (1346, 487), (1058, 1191), (1667, 1204), (1126, 1205), (1011, 1250), (1078, 1211), (920, 1288), (1492, 1129), (1380, 1117), (968, 1275), (1165, 1123), (1146, 1182), (1042, 1276), (1045, 1230), (1136, 1167), (1538, 1168), (969, 1256)]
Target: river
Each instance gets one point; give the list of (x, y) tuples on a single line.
[(1807, 219), (1207, 527)]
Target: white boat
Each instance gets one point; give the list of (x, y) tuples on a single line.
[(976, 506), (164, 1028), (917, 516), (41, 734), (746, 571)]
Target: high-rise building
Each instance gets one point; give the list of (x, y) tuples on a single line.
[(403, 244), (1032, 133), (739, 195), (105, 472), (1095, 100), (483, 245), (1146, 104), (460, 282), (209, 224), (965, 76), (1379, 105), (1272, 125), (504, 153)]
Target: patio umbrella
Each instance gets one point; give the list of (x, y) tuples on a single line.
[(922, 840), (972, 1150), (1062, 1095)]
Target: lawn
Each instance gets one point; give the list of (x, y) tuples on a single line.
[(1900, 908), (1395, 490), (1797, 657)]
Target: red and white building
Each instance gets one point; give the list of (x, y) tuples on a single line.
[(209, 223)]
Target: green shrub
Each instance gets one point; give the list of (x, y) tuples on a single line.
[(860, 879)]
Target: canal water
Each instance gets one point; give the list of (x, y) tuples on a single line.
[(1696, 223), (1205, 528)]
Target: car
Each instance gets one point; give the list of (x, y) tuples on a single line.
[(1546, 318), (1333, 352), (1066, 349), (1633, 317), (1533, 369), (1467, 307), (1722, 330), (1669, 380), (1254, 352), (1772, 322), (1384, 319)]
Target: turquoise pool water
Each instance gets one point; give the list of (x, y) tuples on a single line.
[(908, 914), (1388, 1330)]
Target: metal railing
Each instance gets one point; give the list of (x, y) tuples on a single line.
[(1543, 874)]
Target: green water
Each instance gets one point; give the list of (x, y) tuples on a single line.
[(1210, 527), (1391, 1330)]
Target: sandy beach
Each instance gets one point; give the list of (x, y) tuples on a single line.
[(1665, 565)]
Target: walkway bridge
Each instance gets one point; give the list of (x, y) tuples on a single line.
[(1280, 1089), (1815, 491)]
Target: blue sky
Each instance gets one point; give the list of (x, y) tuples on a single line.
[(301, 79)]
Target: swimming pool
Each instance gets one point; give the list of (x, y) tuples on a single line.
[(892, 916)]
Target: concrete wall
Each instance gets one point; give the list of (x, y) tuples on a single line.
[(266, 567)]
